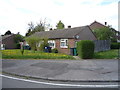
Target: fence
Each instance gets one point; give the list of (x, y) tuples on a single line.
[(102, 45)]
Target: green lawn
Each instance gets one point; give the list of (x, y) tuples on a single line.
[(111, 54), (16, 54)]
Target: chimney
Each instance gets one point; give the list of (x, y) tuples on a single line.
[(69, 26), (105, 23)]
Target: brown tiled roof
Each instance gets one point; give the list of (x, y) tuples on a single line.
[(96, 25), (65, 33)]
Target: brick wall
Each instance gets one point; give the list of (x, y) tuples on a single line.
[(96, 26), (9, 42), (71, 43)]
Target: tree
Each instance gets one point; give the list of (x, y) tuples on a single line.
[(8, 32), (44, 44), (60, 25), (34, 42), (41, 26), (28, 33), (105, 34), (17, 39), (31, 28)]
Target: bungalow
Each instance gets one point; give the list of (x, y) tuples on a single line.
[(7, 42), (65, 39)]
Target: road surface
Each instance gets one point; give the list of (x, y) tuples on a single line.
[(13, 82)]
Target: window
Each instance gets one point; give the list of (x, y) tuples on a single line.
[(51, 43), (64, 43), (2, 47)]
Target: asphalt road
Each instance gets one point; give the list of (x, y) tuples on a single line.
[(12, 82), (63, 69), (72, 70)]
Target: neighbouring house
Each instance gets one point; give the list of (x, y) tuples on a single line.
[(65, 39), (7, 42), (97, 25)]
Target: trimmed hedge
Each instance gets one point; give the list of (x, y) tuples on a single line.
[(85, 49), (115, 45)]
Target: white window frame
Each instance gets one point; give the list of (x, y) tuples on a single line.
[(2, 47), (53, 42), (64, 41)]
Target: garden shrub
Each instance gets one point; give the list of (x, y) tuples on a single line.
[(44, 44), (54, 50), (85, 49), (41, 47), (17, 45), (115, 45)]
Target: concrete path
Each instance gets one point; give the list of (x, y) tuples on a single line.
[(64, 70)]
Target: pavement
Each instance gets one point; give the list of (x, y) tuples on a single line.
[(64, 70)]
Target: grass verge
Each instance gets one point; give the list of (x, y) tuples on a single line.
[(111, 54)]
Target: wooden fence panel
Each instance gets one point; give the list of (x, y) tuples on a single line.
[(102, 45)]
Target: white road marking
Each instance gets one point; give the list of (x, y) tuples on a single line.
[(89, 86)]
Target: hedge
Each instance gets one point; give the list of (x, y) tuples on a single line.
[(115, 45), (85, 49)]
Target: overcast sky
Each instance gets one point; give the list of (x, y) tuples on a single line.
[(16, 14)]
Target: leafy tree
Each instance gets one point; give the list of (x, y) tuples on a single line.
[(17, 39), (44, 44), (33, 41), (31, 28), (28, 33), (60, 25), (8, 32), (105, 34), (41, 26)]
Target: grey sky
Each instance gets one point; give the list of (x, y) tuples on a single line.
[(16, 14)]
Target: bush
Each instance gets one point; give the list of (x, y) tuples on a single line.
[(18, 46), (44, 44), (85, 49), (115, 45), (54, 50), (42, 47)]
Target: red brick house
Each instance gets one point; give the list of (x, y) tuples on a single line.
[(97, 25), (7, 42), (65, 39)]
